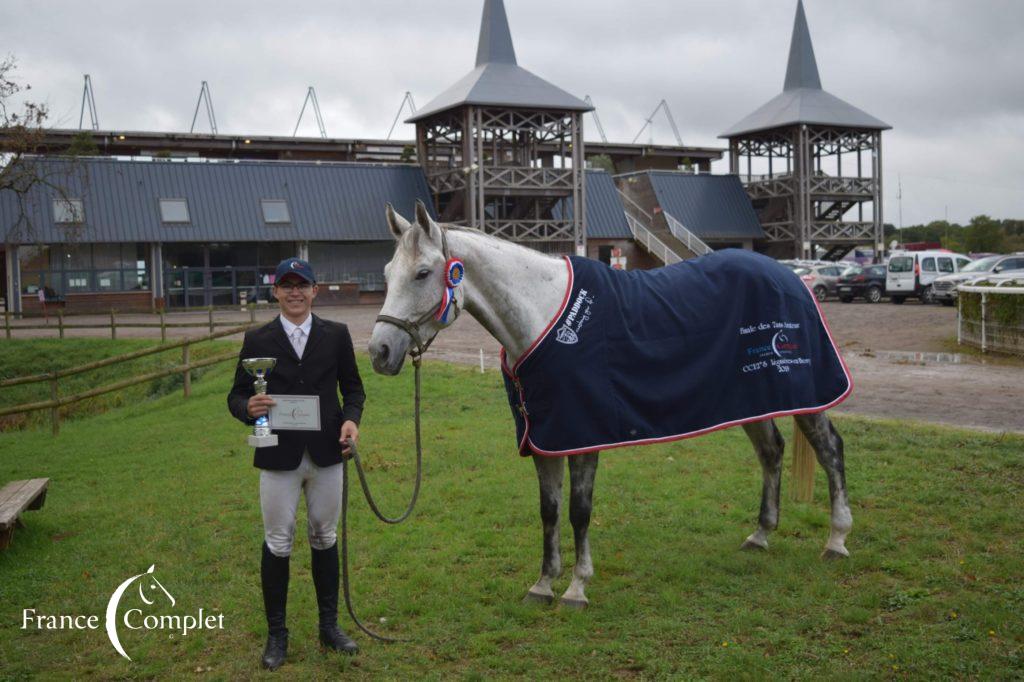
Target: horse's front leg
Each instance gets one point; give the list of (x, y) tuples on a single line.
[(550, 472), (582, 469)]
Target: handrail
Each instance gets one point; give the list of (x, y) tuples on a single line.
[(654, 245), (689, 239), (635, 205)]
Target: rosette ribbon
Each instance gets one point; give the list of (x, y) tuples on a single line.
[(454, 271)]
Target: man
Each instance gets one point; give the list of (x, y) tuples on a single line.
[(313, 357)]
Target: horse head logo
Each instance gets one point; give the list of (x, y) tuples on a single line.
[(148, 586)]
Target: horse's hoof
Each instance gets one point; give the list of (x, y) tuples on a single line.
[(833, 555), (751, 546), (574, 604), (535, 598)]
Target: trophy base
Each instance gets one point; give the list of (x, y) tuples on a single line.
[(263, 441)]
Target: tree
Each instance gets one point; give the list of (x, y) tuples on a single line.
[(22, 134), (602, 162), (984, 235)]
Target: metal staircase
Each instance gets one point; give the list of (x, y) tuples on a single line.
[(669, 245)]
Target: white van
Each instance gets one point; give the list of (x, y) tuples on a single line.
[(911, 273)]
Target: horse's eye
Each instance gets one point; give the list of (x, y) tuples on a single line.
[(422, 274)]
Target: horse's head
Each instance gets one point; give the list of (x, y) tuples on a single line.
[(148, 584), (417, 291)]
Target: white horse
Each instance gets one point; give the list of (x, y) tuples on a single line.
[(514, 292)]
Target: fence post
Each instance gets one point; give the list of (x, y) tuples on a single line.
[(983, 322), (60, 322), (113, 325), (959, 318), (187, 376), (252, 313), (163, 327), (55, 410), (211, 319), (7, 323)]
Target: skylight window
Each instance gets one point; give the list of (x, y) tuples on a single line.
[(174, 211), (68, 211), (275, 211)]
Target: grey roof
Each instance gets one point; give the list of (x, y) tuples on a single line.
[(713, 207), (802, 100), (498, 80), (606, 218), (326, 201)]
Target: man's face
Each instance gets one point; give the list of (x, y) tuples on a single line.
[(295, 296)]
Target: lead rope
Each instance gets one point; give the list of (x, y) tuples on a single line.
[(373, 506), (417, 355)]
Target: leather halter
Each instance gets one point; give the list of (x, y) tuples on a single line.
[(411, 327)]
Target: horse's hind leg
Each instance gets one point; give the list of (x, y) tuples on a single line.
[(550, 472), (582, 469), (769, 445), (828, 446)]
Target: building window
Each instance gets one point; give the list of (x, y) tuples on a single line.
[(68, 211), (81, 268), (174, 210), (275, 211)]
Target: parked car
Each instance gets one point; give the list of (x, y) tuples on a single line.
[(862, 281), (819, 278), (944, 287), (912, 273)]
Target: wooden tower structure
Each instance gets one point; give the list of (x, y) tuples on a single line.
[(811, 163), (502, 149)]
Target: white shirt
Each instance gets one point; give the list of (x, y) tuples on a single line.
[(297, 334)]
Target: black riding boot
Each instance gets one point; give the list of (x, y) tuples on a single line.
[(274, 575), (325, 580)]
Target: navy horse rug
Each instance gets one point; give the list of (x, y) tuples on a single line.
[(649, 356)]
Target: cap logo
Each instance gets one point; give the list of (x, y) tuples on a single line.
[(295, 264)]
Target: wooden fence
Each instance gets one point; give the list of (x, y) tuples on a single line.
[(113, 325), (56, 401)]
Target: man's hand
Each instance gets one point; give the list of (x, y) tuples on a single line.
[(259, 405), (349, 433)]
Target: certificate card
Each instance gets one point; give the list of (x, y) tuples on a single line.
[(295, 413)]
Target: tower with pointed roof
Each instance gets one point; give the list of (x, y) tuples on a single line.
[(811, 163), (503, 149)]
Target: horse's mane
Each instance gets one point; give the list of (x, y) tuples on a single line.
[(503, 242)]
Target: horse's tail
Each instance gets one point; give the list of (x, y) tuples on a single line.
[(802, 480)]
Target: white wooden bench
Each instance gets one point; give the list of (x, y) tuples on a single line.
[(15, 498)]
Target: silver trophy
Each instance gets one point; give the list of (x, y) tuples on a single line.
[(260, 367)]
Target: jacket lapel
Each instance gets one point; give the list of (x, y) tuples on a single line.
[(282, 339), (316, 333)]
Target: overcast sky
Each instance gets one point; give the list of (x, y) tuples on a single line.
[(948, 75)]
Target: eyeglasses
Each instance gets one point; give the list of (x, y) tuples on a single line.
[(292, 286)]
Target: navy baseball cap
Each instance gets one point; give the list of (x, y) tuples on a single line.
[(295, 266)]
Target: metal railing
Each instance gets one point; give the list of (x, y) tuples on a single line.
[(643, 236), (688, 239), (986, 331)]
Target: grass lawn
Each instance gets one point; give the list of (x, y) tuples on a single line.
[(933, 588)]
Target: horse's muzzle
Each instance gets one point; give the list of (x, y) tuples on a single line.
[(388, 348)]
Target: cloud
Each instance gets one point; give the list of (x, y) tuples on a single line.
[(944, 73)]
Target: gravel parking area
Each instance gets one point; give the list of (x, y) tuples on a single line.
[(899, 356)]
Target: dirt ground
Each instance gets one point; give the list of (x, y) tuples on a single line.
[(902, 359)]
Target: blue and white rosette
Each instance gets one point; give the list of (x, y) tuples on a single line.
[(454, 272)]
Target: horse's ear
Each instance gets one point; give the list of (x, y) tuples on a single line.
[(426, 222), (396, 223)]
